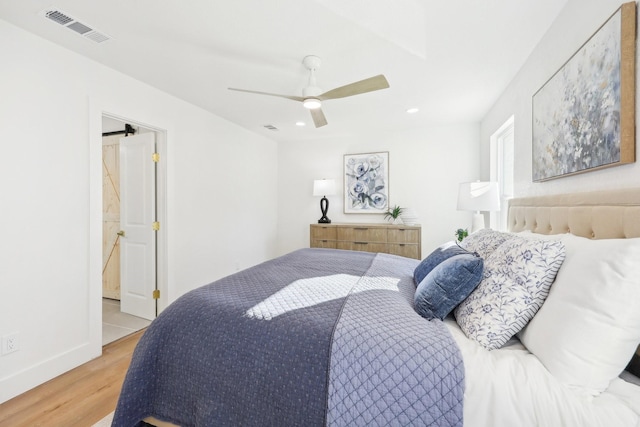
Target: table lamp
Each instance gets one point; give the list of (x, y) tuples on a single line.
[(324, 188), (478, 196)]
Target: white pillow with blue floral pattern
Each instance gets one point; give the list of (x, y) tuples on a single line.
[(485, 241), (517, 278)]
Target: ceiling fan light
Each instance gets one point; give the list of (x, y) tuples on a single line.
[(311, 103)]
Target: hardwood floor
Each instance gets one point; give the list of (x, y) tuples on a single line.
[(78, 398)]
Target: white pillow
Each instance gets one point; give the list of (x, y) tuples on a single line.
[(517, 277), (589, 327)]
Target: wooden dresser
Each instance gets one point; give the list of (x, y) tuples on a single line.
[(403, 240)]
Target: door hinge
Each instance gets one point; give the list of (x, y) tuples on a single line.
[(155, 226), (155, 157), (156, 294)]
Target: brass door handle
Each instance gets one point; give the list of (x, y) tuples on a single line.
[(121, 233)]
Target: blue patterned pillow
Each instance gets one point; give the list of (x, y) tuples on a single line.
[(442, 253), (447, 285), (516, 282)]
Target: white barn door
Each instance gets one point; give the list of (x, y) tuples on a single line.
[(137, 216)]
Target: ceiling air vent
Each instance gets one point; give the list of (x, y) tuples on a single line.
[(58, 17), (79, 27), (271, 127), (71, 23)]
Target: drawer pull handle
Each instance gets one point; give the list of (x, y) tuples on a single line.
[(361, 243), (401, 244), (361, 229)]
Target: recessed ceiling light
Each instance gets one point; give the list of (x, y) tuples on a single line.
[(412, 110), (301, 124)]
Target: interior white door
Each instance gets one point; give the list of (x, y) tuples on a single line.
[(137, 214)]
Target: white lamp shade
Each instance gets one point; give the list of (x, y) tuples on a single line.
[(324, 187), (478, 196)]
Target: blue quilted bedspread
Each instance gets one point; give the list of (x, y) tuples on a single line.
[(316, 337)]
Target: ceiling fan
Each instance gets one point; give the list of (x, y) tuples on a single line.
[(312, 96)]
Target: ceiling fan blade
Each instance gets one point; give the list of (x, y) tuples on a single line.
[(294, 98), (363, 86), (318, 117)]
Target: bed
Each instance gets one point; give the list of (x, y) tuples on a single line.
[(343, 338)]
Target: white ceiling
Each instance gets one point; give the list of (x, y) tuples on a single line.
[(451, 59)]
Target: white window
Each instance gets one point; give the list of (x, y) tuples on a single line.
[(502, 159)]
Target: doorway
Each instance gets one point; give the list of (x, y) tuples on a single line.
[(129, 272)]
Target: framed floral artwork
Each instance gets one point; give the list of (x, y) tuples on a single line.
[(366, 182), (584, 115)]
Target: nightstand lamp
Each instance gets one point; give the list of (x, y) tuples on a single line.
[(324, 188), (478, 196)]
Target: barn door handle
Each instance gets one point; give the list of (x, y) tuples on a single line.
[(121, 233)]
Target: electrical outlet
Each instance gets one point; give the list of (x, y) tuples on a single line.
[(10, 343)]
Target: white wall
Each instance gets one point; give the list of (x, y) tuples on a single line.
[(50, 178), (425, 167), (578, 21)]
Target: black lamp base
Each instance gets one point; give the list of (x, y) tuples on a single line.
[(324, 207)]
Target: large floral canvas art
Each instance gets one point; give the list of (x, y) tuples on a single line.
[(366, 183), (584, 116)]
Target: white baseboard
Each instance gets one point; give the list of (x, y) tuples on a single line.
[(19, 382)]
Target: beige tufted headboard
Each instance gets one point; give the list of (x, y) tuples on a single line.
[(613, 214)]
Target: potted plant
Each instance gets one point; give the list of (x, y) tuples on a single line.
[(461, 233), (393, 214)]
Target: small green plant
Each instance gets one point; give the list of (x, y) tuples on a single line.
[(461, 233), (393, 213)]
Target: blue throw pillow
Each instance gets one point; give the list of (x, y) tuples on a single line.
[(442, 253), (447, 285)]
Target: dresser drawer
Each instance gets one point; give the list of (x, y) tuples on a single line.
[(322, 232), (329, 244), (361, 246), (402, 240), (404, 249), (362, 234), (403, 235)]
